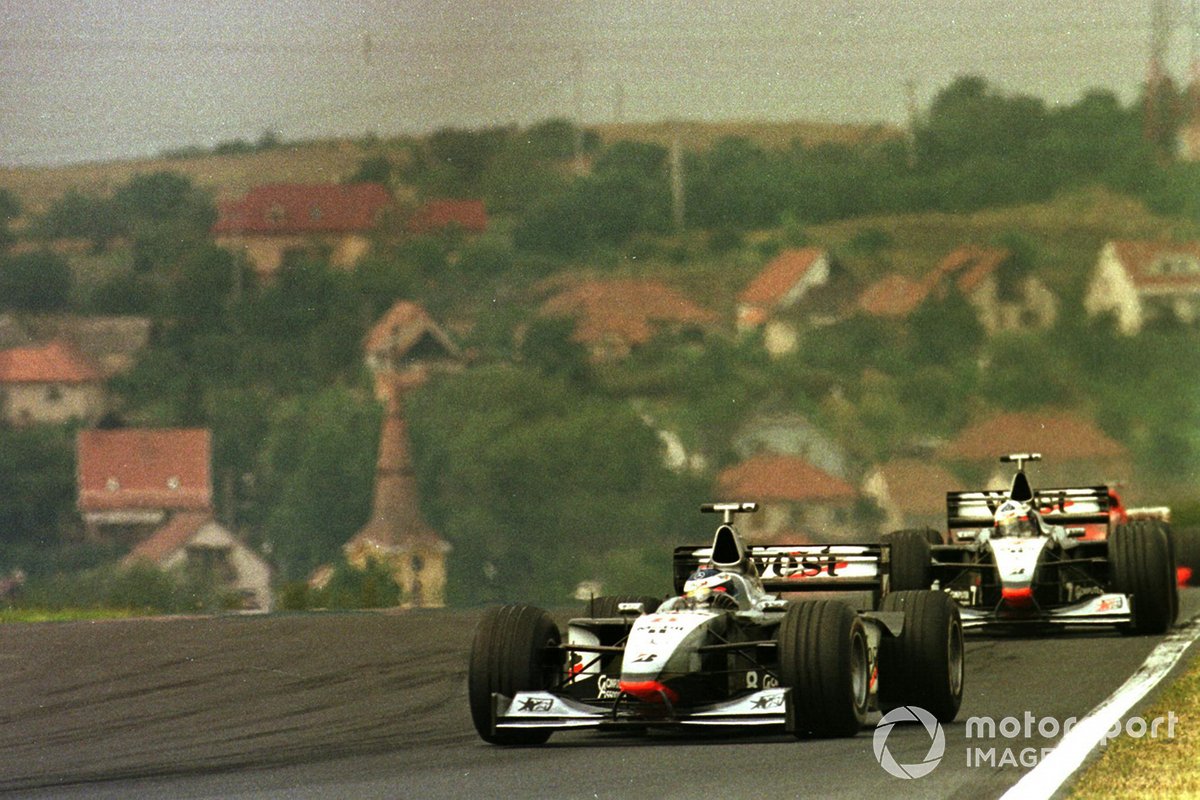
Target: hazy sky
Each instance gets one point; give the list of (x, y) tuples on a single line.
[(122, 78)]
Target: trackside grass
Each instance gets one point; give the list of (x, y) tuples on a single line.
[(64, 615), (1153, 767)]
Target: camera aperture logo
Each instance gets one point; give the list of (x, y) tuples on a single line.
[(937, 742)]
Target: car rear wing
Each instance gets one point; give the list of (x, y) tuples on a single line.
[(1070, 506), (798, 568)]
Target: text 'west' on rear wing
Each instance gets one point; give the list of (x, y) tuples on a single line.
[(1073, 506), (798, 568)]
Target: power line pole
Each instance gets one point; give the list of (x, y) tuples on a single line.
[(677, 192), (577, 102), (1157, 110)]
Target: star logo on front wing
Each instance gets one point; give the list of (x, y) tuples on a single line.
[(537, 705), (769, 701)]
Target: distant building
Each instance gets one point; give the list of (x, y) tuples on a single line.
[(799, 286), (799, 502), (911, 493), (613, 317), (131, 481), (13, 333), (278, 221), (401, 349), (406, 336), (1139, 282), (195, 546), (1074, 451), (50, 384), (466, 216), (111, 343), (397, 535), (1001, 303), (892, 297)]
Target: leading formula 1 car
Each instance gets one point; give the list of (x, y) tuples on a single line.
[(1051, 557), (724, 651)]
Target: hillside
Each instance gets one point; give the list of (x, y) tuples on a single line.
[(334, 160)]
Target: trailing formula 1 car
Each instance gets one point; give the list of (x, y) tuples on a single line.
[(1051, 557), (723, 651)]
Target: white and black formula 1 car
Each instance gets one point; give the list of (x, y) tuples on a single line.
[(724, 651), (1054, 557)]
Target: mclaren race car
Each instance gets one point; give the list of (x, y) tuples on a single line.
[(1051, 557), (725, 650)]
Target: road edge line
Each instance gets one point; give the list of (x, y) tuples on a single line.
[(1044, 780)]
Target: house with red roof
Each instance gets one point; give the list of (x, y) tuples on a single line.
[(49, 383), (612, 317), (800, 286), (1074, 451), (893, 296), (1139, 282), (979, 274), (911, 493), (798, 501), (133, 480), (274, 222), (435, 216), (110, 343), (196, 547)]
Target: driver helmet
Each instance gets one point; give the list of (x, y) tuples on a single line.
[(711, 586), (1012, 519)]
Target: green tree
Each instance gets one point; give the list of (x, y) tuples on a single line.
[(84, 216), (10, 209), (524, 475), (318, 469), (37, 483), (374, 169), (38, 280), (944, 329)]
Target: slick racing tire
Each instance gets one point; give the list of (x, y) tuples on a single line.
[(823, 658), (910, 559), (515, 649), (923, 666), (1187, 555), (607, 606), (1139, 563)]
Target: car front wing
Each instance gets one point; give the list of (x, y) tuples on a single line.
[(546, 710), (1102, 609)]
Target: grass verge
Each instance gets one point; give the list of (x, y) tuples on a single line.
[(1145, 767), (64, 615)]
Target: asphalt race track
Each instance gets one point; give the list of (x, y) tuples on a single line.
[(374, 706)]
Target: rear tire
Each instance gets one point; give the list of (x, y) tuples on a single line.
[(909, 559), (923, 666), (823, 658), (1140, 564), (515, 649)]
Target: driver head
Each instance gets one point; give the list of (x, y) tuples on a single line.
[(1011, 519)]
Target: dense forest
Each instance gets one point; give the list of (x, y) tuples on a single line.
[(535, 462)]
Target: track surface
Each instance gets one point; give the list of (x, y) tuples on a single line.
[(374, 705)]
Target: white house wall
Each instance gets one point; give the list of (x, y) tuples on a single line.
[(1112, 291)]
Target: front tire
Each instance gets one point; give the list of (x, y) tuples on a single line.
[(1140, 564), (515, 649), (924, 665), (823, 658)]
